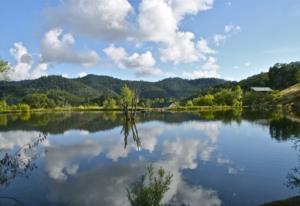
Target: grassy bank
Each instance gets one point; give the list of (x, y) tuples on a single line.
[(98, 108)]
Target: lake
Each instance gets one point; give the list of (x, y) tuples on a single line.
[(93, 158)]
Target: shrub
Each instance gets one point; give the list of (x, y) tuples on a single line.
[(206, 100), (189, 103), (13, 107), (110, 104), (24, 107), (3, 106)]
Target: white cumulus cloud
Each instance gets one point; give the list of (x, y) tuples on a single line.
[(57, 47), (232, 28), (81, 74), (143, 64), (185, 50), (247, 64), (159, 21), (229, 30), (25, 66), (93, 18), (208, 70), (61, 161)]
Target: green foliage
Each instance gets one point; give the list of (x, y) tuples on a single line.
[(236, 103), (13, 107), (24, 107), (224, 97), (126, 95), (110, 104), (96, 89), (238, 93), (3, 119), (257, 98), (62, 98), (189, 103), (178, 88), (284, 75), (3, 106), (150, 190), (258, 80), (206, 100), (37, 100), (4, 67), (280, 76)]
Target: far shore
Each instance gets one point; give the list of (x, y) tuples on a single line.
[(138, 109)]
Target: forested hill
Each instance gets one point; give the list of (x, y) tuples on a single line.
[(279, 76), (93, 87)]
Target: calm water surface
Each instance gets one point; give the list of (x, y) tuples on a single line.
[(222, 158)]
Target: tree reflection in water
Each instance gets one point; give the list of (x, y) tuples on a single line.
[(18, 163), (150, 189), (129, 126), (285, 129), (293, 177)]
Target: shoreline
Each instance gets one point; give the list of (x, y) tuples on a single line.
[(142, 109), (139, 109)]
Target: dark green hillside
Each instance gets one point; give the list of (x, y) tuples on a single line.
[(177, 87), (167, 88), (59, 91), (55, 86), (259, 80), (93, 88), (280, 76)]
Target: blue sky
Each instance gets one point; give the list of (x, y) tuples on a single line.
[(148, 39)]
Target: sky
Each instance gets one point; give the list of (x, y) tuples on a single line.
[(148, 39)]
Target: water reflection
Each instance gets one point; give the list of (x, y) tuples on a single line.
[(7, 201), (288, 129), (58, 123), (20, 162), (150, 189), (88, 161), (284, 129), (129, 126), (105, 181), (62, 161), (293, 176)]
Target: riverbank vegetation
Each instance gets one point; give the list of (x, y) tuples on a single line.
[(93, 92), (221, 99)]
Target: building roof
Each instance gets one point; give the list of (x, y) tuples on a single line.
[(261, 89), (164, 104)]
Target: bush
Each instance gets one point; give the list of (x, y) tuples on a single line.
[(236, 103), (206, 100), (110, 104), (189, 103), (224, 97), (37, 100), (24, 107), (3, 106), (13, 108), (256, 98)]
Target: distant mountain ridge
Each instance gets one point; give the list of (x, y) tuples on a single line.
[(94, 86)]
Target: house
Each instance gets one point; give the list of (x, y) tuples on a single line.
[(261, 89), (172, 105), (164, 105)]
